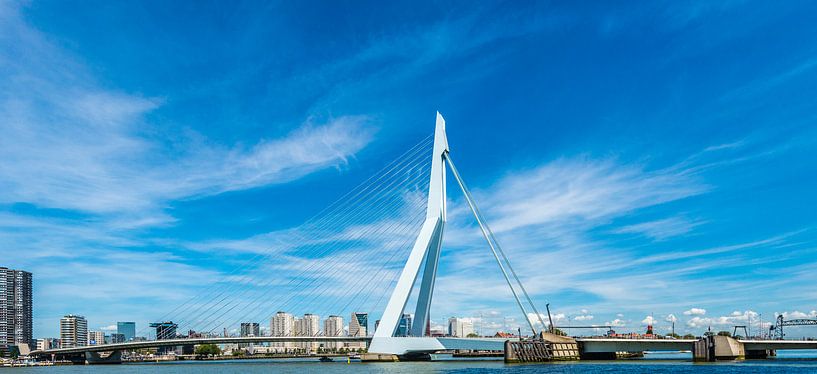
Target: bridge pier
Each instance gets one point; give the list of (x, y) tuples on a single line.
[(549, 348), (93, 358), (712, 348)]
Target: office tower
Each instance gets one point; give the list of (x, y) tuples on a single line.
[(250, 329), (127, 329), (404, 327), (359, 324), (117, 338), (15, 307), (73, 331), (165, 330)]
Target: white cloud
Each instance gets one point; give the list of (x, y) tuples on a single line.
[(616, 323), (648, 320), (583, 318), (661, 229), (109, 328), (70, 143), (695, 312), (581, 191), (698, 322), (734, 318), (671, 318), (798, 314)]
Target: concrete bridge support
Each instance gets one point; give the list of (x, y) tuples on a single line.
[(97, 358), (712, 348), (549, 348)]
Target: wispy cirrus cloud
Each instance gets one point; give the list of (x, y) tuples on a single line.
[(661, 229), (83, 164), (71, 143)]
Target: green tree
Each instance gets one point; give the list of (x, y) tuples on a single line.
[(559, 332), (472, 335), (207, 350), (724, 333), (689, 336), (674, 335)]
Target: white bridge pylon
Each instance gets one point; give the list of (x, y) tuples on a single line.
[(425, 254)]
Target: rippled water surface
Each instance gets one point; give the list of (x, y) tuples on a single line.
[(786, 362)]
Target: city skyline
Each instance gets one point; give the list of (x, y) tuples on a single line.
[(642, 184)]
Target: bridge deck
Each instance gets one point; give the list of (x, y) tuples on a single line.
[(588, 344), (196, 341)]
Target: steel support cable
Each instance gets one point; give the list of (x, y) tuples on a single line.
[(496, 243), (401, 247), (367, 237), (350, 281), (327, 248), (329, 217), (315, 218), (397, 246), (369, 232), (485, 234), (393, 224), (405, 245), (361, 211), (314, 295), (220, 305)]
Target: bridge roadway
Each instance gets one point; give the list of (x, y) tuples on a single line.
[(589, 345)]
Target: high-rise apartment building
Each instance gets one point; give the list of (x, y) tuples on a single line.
[(73, 331), (15, 307), (127, 329), (282, 324), (460, 327), (308, 325), (333, 326)]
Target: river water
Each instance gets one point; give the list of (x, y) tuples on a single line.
[(786, 362)]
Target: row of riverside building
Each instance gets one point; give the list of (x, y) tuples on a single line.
[(16, 309)]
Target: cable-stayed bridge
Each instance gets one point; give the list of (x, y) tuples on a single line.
[(377, 248)]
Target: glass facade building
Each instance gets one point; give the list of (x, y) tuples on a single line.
[(127, 329)]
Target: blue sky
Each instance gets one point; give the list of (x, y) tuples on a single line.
[(635, 160)]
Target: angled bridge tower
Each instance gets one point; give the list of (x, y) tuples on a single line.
[(425, 256)]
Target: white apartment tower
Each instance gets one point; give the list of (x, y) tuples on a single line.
[(73, 331), (309, 325), (333, 326), (460, 327), (282, 324)]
